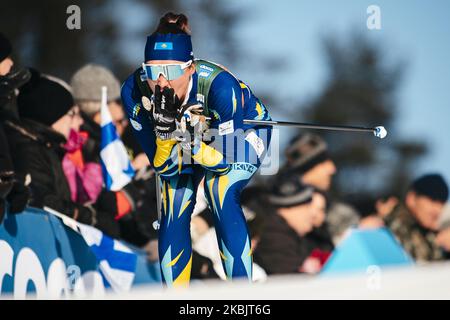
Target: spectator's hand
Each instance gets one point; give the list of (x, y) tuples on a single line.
[(443, 239), (140, 161), (311, 265)]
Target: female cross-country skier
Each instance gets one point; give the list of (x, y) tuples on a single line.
[(173, 102)]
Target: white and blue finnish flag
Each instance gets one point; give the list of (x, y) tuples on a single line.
[(116, 261), (116, 165)]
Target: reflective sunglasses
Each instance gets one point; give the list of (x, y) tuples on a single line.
[(169, 71)]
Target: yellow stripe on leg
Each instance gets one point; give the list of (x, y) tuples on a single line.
[(223, 183), (185, 276), (172, 263), (184, 208)]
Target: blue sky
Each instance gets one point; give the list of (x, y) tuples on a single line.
[(413, 30)]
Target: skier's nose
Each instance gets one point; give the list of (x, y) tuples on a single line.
[(162, 82)]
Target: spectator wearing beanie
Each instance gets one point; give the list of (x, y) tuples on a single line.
[(307, 158), (415, 222), (38, 142), (86, 84), (282, 248)]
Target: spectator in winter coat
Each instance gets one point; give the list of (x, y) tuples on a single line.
[(39, 144), (308, 158), (12, 186), (282, 247), (319, 241), (415, 222)]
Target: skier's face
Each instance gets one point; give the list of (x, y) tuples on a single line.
[(179, 85)]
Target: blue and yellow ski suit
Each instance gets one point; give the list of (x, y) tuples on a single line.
[(229, 101)]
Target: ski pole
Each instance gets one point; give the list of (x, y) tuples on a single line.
[(379, 132)]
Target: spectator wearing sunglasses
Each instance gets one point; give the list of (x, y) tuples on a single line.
[(171, 100)]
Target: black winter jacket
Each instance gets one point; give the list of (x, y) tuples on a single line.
[(37, 150)]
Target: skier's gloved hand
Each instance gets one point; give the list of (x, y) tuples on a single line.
[(164, 107), (190, 125)]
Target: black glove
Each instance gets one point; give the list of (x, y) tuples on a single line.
[(12, 81), (6, 184), (19, 197), (135, 192), (106, 201), (86, 214), (164, 106), (190, 124)]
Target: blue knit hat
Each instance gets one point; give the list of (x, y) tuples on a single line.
[(169, 47)]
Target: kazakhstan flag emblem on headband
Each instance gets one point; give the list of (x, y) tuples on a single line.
[(163, 46)]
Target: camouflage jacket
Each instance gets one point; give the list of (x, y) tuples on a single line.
[(416, 240)]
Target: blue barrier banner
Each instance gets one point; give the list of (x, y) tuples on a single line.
[(42, 255)]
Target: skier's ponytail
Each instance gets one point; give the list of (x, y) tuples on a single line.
[(171, 40), (173, 23)]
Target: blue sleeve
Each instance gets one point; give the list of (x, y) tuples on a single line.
[(225, 97), (138, 117)]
